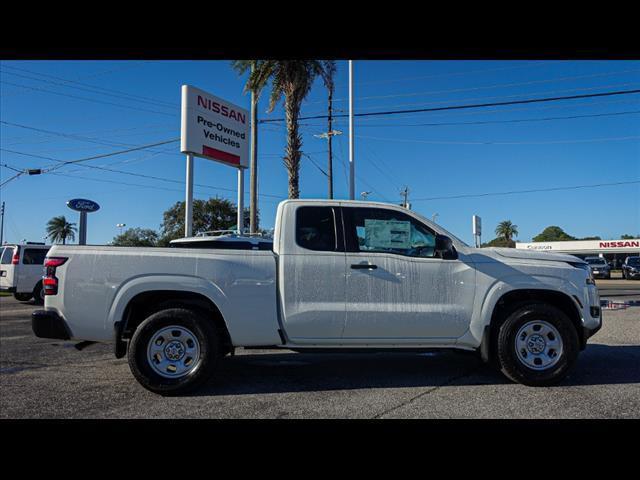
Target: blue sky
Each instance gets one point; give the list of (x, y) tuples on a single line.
[(473, 154)]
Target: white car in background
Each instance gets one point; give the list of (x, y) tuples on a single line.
[(21, 270)]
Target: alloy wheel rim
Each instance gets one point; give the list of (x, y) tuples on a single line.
[(173, 352), (538, 345)]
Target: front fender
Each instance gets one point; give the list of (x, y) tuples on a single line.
[(486, 304)]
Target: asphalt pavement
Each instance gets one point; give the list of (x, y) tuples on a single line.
[(42, 378)]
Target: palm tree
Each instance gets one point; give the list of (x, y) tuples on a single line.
[(293, 80), (59, 229), (506, 230)]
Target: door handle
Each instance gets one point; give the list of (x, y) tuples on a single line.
[(363, 266)]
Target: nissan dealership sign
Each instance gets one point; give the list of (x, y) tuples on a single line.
[(213, 128), (604, 246)]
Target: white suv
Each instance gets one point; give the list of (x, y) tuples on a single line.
[(21, 270)]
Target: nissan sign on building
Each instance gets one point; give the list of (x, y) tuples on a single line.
[(213, 128), (614, 251)]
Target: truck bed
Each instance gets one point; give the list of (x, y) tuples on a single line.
[(97, 282)]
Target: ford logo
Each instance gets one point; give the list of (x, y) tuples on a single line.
[(83, 205)]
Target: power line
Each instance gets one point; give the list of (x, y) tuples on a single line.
[(461, 107), (550, 142), (475, 195), (96, 90), (500, 85), (86, 99), (497, 97), (141, 175), (519, 120), (92, 75), (70, 135)]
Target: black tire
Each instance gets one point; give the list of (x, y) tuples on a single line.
[(209, 344), (518, 371), (38, 294), (22, 297)]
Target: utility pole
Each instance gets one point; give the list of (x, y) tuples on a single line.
[(405, 195), (328, 136), (253, 180), (2, 226), (352, 183)]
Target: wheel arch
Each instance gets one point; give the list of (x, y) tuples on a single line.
[(143, 296), (510, 301)]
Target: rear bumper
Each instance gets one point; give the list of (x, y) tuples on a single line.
[(8, 289), (48, 324)]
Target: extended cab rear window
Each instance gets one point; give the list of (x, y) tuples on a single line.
[(316, 228), (34, 256)]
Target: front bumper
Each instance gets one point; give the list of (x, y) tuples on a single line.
[(48, 324), (631, 274), (603, 274)]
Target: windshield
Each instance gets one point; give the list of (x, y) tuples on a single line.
[(439, 229), (635, 261), (595, 261)]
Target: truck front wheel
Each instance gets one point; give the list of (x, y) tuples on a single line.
[(537, 345), (174, 351)]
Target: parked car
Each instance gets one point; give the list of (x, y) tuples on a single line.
[(344, 276), (631, 268), (599, 267), (224, 240), (21, 270)]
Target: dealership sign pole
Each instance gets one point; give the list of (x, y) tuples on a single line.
[(83, 206), (217, 130)]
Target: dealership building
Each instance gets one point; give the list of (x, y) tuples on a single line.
[(614, 251)]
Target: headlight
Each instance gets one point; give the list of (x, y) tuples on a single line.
[(585, 267)]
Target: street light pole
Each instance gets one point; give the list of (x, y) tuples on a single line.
[(352, 184)]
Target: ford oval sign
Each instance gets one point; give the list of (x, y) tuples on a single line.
[(83, 205)]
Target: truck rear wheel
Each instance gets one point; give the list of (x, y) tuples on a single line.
[(174, 351), (537, 345), (38, 294)]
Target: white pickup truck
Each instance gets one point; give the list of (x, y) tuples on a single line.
[(342, 275)]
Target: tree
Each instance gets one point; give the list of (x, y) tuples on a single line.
[(208, 215), (58, 229), (591, 238), (553, 234), (136, 237), (629, 237), (292, 79), (506, 230), (500, 242)]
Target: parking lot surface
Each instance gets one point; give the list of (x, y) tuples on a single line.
[(42, 378)]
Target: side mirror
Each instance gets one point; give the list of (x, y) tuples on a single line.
[(443, 244)]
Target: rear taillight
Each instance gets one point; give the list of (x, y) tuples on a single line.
[(54, 261), (16, 259), (50, 281)]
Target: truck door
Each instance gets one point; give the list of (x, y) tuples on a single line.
[(312, 276), (398, 289)]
